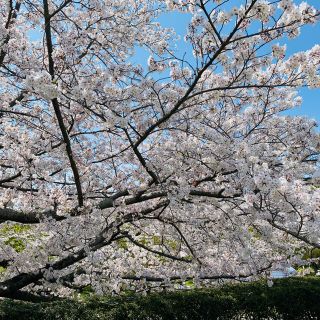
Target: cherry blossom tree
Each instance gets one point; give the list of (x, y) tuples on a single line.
[(125, 176)]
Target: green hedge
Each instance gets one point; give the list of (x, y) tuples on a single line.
[(288, 299)]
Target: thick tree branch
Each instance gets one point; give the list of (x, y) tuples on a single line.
[(9, 287), (11, 16), (37, 217), (56, 107), (7, 214)]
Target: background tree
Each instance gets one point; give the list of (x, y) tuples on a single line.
[(121, 177)]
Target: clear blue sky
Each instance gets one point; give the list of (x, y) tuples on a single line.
[(310, 35)]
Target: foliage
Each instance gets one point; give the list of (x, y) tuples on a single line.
[(16, 243), (287, 299), (14, 228)]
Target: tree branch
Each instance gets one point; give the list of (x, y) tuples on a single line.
[(60, 8), (56, 107)]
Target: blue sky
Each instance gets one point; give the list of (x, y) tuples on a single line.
[(310, 35)]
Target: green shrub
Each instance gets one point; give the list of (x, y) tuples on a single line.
[(287, 299)]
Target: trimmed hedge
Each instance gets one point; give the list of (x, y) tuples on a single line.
[(287, 299)]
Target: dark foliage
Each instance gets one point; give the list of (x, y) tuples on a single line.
[(287, 299)]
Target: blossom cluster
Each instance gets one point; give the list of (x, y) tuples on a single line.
[(114, 173)]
